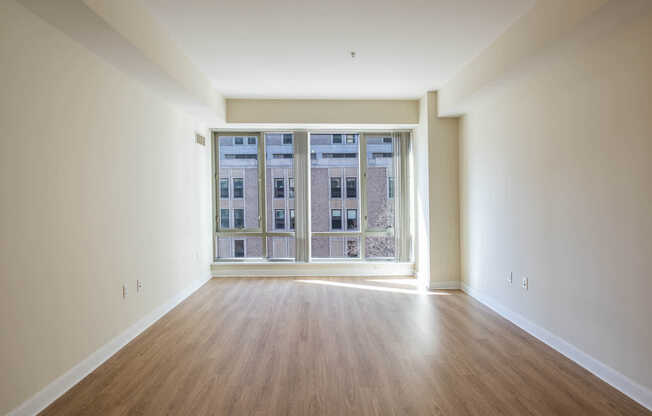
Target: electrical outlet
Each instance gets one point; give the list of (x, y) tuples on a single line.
[(139, 285), (124, 291), (510, 278), (524, 283)]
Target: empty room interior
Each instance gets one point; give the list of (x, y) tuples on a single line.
[(223, 207)]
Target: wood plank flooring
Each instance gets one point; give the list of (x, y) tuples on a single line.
[(337, 347)]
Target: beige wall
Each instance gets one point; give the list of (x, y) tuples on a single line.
[(101, 184), (322, 111), (556, 186), (444, 199)]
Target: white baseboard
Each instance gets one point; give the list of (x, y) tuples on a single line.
[(448, 285), (616, 379), (316, 269), (58, 387)]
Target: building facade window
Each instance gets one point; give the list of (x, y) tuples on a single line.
[(251, 140), (279, 219), (279, 188), (336, 187), (339, 155), (291, 188), (287, 138), (336, 219), (224, 188), (351, 219), (350, 139), (238, 218), (352, 249), (224, 219), (238, 248), (351, 187), (291, 219), (337, 139), (238, 140), (390, 187), (238, 188)]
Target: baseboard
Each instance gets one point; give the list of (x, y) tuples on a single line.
[(614, 378), (316, 269), (58, 387), (447, 285)]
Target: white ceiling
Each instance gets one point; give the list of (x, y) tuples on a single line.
[(301, 48)]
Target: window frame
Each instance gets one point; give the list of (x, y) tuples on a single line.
[(301, 166)]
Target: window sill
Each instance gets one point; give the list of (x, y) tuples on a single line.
[(324, 268)]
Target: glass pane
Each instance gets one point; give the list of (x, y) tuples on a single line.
[(334, 164), (279, 178), (335, 247), (380, 247), (281, 247), (238, 184), (380, 182), (239, 247)]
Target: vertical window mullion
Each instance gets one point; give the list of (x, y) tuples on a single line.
[(262, 192), (363, 196)]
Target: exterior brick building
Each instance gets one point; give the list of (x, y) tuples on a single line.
[(335, 194)]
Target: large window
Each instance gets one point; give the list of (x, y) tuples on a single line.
[(346, 198)]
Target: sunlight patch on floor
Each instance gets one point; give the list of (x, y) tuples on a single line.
[(373, 287)]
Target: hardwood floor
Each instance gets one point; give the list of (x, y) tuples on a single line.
[(337, 347)]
